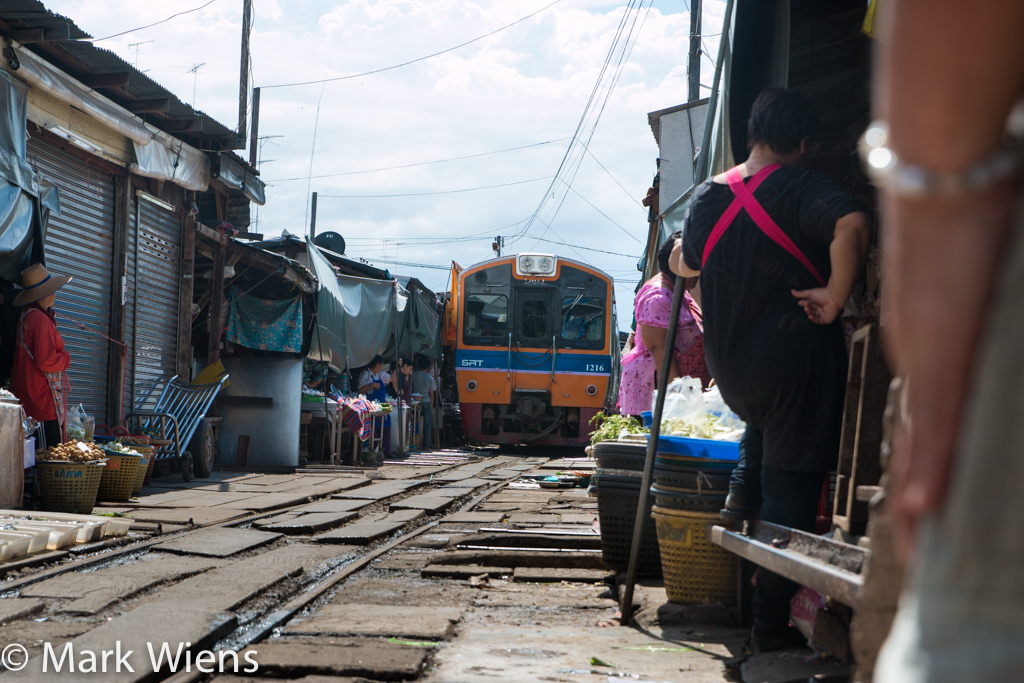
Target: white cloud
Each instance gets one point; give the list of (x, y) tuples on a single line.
[(524, 85)]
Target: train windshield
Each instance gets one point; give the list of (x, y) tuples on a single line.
[(583, 320), (486, 321)]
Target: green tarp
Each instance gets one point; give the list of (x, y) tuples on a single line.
[(358, 318)]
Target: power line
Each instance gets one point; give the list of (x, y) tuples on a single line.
[(423, 194), (162, 21), (418, 59), (421, 163), (600, 251), (631, 235), (612, 177)]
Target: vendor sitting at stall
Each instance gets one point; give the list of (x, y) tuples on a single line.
[(401, 381), (40, 361), (372, 382)]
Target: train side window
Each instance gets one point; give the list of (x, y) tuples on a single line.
[(486, 321), (583, 321), (534, 316)]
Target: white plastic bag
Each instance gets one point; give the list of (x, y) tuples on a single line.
[(692, 412)]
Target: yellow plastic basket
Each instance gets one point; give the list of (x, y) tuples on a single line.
[(695, 570), (68, 486), (140, 478), (119, 477)]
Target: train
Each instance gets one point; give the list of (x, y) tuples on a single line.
[(535, 344)]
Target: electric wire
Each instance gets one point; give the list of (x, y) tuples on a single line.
[(413, 61), (613, 178), (424, 194), (421, 163), (616, 223), (140, 28)]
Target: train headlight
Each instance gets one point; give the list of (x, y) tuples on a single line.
[(591, 390), (471, 385), (536, 264)]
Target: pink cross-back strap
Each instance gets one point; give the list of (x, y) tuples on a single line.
[(745, 200)]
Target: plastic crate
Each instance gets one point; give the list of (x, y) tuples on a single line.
[(616, 508), (695, 570), (68, 486), (694, 500), (119, 476)]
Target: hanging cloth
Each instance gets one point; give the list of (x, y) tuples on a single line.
[(745, 201)]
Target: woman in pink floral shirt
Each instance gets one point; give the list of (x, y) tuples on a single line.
[(653, 306)]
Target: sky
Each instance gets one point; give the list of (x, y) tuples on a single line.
[(512, 102)]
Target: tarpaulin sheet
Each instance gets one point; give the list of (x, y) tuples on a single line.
[(238, 176), (265, 325), (355, 316), (167, 158), (26, 200)]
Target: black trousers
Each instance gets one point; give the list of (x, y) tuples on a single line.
[(51, 432), (790, 499)]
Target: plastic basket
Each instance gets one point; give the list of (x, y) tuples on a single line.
[(691, 478), (620, 456), (699, 448), (140, 477), (695, 570), (694, 500), (617, 512), (692, 464), (119, 476), (68, 486)]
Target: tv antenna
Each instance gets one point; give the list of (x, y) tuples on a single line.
[(195, 76), (136, 46)]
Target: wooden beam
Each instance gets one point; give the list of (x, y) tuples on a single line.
[(39, 34), (118, 79), (216, 304), (148, 106), (182, 126), (118, 355)]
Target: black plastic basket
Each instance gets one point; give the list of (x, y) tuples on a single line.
[(620, 456), (689, 500), (617, 512), (691, 478)]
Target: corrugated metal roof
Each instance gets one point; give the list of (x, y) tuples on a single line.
[(66, 46)]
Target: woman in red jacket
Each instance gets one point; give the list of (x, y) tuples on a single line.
[(37, 375)]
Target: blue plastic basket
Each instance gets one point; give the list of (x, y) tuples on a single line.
[(699, 448)]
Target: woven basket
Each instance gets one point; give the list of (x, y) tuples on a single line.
[(696, 571), (119, 477), (692, 500), (616, 508), (68, 486)]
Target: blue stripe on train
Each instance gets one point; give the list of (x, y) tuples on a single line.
[(566, 361)]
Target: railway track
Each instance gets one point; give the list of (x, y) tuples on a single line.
[(231, 585)]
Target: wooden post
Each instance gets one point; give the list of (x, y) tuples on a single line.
[(255, 130), (188, 262), (216, 302), (242, 453), (116, 366), (243, 75), (312, 218)]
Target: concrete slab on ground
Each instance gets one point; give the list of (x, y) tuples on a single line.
[(533, 518), (94, 591), (374, 659), (225, 588), (403, 590), (554, 575), (200, 515), (470, 483), (35, 634), (16, 608), (431, 503), (429, 541), (312, 523), (462, 571), (151, 623), (197, 499), (385, 621), (370, 528), (405, 561), (304, 679), (522, 558), (217, 541), (489, 647), (265, 502), (548, 596), (382, 490), (475, 517), (335, 505)]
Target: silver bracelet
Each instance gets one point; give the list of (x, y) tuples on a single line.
[(884, 169)]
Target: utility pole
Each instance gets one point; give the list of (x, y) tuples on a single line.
[(497, 244), (243, 76), (254, 133), (312, 218), (693, 67)]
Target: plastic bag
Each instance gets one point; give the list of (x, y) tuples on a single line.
[(81, 425), (692, 412)]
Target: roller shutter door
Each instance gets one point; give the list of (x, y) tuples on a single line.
[(154, 267), (80, 242)]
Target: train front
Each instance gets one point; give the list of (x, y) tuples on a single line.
[(537, 353)]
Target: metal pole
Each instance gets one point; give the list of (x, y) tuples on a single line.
[(398, 368), (243, 74), (254, 138), (312, 218), (693, 68), (703, 162), (652, 448)]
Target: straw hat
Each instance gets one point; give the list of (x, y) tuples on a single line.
[(38, 284)]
